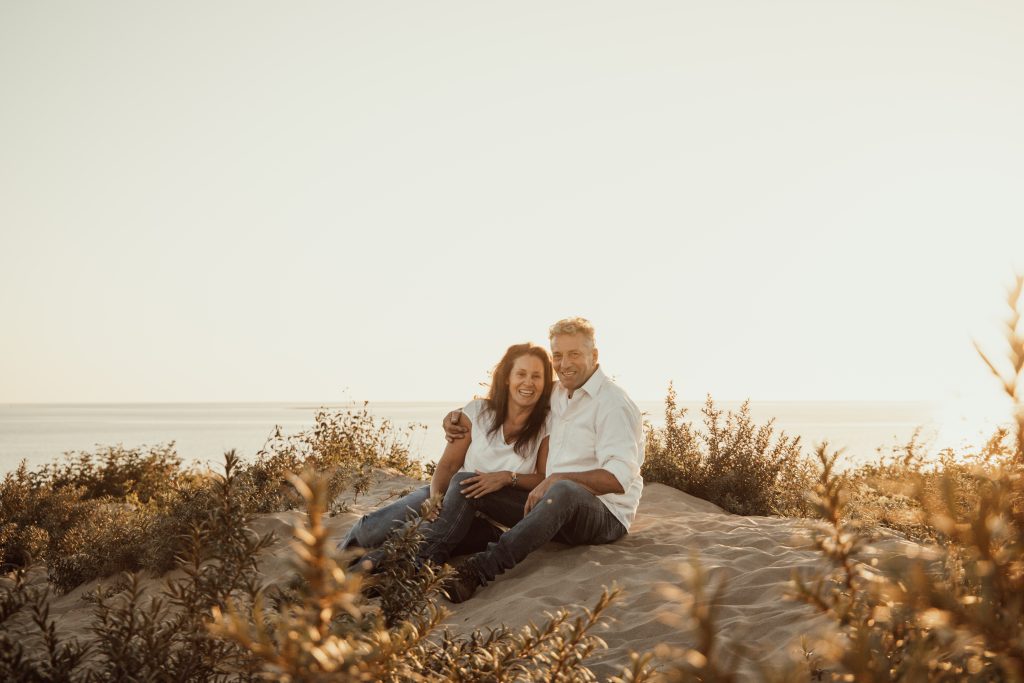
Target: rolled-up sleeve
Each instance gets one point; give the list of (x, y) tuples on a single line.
[(620, 442)]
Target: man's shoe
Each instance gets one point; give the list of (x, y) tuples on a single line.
[(463, 584), (369, 588)]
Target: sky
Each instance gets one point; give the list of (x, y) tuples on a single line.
[(260, 201)]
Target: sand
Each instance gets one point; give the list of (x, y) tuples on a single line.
[(755, 556)]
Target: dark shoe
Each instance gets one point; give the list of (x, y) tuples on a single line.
[(463, 584), (365, 562)]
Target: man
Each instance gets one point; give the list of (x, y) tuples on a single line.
[(593, 482)]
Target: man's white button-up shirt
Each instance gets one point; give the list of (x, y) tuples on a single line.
[(599, 428)]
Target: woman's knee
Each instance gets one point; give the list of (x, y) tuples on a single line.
[(354, 537), (455, 486), (461, 476)]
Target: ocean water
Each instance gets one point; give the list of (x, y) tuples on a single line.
[(40, 433)]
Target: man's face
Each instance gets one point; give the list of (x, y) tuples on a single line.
[(574, 360)]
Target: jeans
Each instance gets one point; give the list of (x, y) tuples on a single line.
[(567, 513), (372, 529)]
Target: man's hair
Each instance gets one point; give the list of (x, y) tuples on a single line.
[(579, 326)]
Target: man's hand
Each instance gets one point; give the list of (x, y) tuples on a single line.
[(482, 484), (452, 429), (538, 492)]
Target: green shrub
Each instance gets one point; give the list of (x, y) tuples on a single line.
[(733, 462), (138, 634), (109, 539), (121, 509), (117, 472), (20, 546), (34, 516), (35, 652)]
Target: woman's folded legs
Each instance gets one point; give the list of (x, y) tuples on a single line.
[(371, 530)]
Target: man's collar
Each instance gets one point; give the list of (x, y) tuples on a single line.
[(593, 385)]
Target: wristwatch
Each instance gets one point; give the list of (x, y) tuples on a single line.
[(515, 478)]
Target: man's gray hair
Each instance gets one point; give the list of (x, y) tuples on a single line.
[(580, 326)]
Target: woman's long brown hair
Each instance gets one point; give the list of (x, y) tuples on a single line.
[(497, 396)]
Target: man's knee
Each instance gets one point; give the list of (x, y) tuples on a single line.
[(566, 492)]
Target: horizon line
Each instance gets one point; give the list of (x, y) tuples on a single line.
[(357, 402)]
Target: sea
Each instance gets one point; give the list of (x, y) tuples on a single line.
[(201, 432)]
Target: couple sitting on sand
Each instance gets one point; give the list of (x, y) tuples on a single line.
[(550, 461)]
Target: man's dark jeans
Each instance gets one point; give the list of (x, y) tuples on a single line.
[(567, 513)]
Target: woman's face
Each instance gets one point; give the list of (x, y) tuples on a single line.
[(526, 381)]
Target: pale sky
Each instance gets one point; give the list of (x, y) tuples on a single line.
[(263, 201)]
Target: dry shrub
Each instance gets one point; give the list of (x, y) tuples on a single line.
[(408, 587), (345, 445), (732, 462), (892, 493), (1011, 375), (695, 607), (219, 561), (956, 613), (957, 616)]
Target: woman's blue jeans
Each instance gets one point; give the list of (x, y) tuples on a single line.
[(372, 529)]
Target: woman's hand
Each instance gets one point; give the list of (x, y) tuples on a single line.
[(483, 483)]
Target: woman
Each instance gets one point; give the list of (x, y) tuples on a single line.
[(507, 444)]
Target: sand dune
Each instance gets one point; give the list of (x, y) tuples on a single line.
[(756, 556)]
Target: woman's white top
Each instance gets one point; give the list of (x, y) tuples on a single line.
[(490, 453)]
